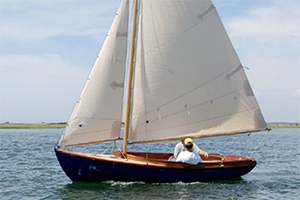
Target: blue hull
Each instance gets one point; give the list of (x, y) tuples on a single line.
[(83, 168)]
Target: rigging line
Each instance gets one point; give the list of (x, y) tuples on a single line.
[(115, 144), (124, 155), (248, 143), (260, 142), (108, 147), (196, 88)]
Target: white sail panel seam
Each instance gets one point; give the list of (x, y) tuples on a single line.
[(196, 122), (182, 32), (196, 88), (193, 107)]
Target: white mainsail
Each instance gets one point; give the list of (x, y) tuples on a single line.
[(188, 78), (98, 113)]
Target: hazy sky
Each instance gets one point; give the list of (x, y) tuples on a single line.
[(48, 47)]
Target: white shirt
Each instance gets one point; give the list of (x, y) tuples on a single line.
[(180, 148), (189, 157)]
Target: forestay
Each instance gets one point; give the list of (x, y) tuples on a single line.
[(188, 78), (97, 116)]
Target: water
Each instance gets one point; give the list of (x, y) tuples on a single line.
[(29, 170)]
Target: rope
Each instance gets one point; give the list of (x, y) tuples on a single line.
[(260, 143), (115, 145), (248, 143), (107, 148), (121, 152)]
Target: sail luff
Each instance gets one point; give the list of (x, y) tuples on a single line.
[(130, 74)]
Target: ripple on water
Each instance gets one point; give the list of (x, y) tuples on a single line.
[(29, 170)]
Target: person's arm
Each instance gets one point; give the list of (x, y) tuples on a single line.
[(204, 153), (198, 150), (177, 150), (179, 158)]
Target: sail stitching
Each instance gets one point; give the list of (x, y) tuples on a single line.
[(97, 131), (196, 88), (200, 104), (186, 30), (91, 132), (209, 119), (201, 17)]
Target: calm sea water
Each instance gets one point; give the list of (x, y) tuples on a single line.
[(29, 170)]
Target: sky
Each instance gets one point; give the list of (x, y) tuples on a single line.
[(48, 48)]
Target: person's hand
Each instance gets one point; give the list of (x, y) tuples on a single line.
[(204, 154)]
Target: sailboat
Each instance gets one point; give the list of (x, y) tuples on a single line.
[(180, 77)]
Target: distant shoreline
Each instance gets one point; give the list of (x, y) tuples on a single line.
[(63, 125), (284, 126), (32, 126)]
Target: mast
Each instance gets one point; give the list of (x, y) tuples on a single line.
[(130, 71)]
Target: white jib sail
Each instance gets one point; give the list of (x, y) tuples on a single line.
[(188, 78), (97, 116)]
